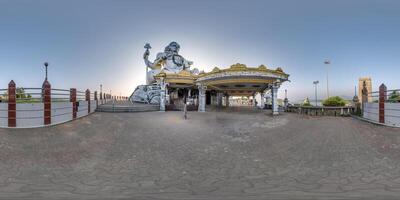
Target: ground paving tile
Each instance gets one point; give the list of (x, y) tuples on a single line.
[(220, 154)]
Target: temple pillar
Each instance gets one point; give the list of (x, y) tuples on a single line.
[(202, 98), (214, 99), (254, 100), (274, 96), (167, 99), (227, 100), (162, 95), (262, 102), (219, 99)]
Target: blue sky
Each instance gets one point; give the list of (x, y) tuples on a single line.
[(93, 42)]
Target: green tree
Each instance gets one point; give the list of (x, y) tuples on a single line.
[(20, 94), (4, 97), (334, 101), (306, 102), (394, 96)]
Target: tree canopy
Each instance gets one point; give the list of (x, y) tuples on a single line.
[(334, 101)]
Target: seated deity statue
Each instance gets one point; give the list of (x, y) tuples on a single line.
[(169, 61)]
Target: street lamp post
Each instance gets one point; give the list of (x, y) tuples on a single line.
[(327, 62), (46, 64), (316, 96)]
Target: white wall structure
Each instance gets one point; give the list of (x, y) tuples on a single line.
[(392, 114), (3, 114), (29, 115), (82, 109), (371, 111), (93, 106), (61, 112)]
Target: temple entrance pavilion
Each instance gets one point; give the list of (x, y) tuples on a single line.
[(176, 90), (217, 86)]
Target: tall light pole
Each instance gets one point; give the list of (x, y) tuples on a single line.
[(327, 62), (316, 96), (46, 64)]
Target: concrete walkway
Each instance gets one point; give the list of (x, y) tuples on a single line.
[(121, 103), (212, 155)]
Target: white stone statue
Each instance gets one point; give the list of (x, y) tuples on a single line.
[(146, 94), (170, 61)]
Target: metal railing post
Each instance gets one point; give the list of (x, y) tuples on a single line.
[(382, 100), (12, 105), (87, 95), (47, 102), (95, 98), (72, 99)]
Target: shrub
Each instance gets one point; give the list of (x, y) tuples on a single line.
[(334, 101)]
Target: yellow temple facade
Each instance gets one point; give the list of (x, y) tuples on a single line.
[(209, 88)]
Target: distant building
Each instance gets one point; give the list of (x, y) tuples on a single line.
[(368, 84)]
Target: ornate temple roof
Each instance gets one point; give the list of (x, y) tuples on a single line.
[(242, 69), (237, 78)]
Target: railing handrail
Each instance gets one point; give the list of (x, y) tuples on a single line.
[(377, 92), (63, 90), (328, 107), (30, 88)]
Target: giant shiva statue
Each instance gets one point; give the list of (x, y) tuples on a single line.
[(170, 62)]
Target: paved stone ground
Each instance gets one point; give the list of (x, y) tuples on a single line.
[(212, 155)]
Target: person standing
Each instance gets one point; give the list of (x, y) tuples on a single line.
[(185, 111)]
